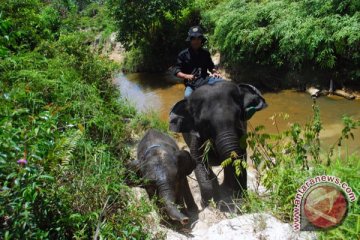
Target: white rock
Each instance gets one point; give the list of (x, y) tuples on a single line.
[(250, 227)]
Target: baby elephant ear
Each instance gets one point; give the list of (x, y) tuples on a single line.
[(185, 163), (251, 100), (180, 119)]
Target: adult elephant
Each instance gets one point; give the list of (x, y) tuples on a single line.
[(218, 113)]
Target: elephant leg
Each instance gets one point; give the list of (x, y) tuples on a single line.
[(188, 197), (187, 138), (205, 176), (234, 182), (179, 201)]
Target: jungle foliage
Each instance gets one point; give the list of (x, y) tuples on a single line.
[(291, 35), (153, 32), (63, 129), (317, 36)]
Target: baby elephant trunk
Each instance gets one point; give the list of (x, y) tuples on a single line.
[(175, 214), (168, 196)]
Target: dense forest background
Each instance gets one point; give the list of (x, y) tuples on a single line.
[(66, 135), (282, 41)]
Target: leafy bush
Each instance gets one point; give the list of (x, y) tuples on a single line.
[(65, 124), (287, 159), (153, 31), (293, 35), (42, 22)]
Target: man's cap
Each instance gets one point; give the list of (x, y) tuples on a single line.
[(196, 31)]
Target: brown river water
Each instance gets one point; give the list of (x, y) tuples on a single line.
[(159, 92)]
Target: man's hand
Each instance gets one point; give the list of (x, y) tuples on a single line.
[(189, 77), (216, 74)]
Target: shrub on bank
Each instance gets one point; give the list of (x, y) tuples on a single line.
[(290, 35), (64, 135), (287, 159), (153, 32)]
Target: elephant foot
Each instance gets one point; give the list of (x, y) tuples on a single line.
[(204, 203), (193, 209), (214, 196), (238, 184)]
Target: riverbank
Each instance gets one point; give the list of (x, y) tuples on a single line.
[(158, 92), (67, 134)]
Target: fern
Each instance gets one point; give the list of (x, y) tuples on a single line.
[(62, 153)]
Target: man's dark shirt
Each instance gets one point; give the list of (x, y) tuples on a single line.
[(191, 62)]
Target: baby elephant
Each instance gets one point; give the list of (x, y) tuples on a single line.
[(165, 167)]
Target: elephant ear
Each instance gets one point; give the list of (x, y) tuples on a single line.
[(186, 164), (180, 119), (251, 100)]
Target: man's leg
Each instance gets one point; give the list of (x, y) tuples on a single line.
[(213, 80), (188, 91)]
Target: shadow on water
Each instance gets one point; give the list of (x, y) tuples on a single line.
[(159, 92)]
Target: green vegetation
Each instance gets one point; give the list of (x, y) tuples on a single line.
[(278, 36), (288, 35), (153, 32), (287, 159), (65, 132), (60, 112)]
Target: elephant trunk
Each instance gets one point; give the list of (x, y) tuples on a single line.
[(194, 149), (168, 196), (204, 175), (227, 142)]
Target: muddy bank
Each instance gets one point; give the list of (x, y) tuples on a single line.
[(270, 79)]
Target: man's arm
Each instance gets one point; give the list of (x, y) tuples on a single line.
[(212, 69), (178, 70), (185, 76)]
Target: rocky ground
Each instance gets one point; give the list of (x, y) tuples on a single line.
[(224, 220)]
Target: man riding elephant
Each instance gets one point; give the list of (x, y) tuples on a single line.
[(194, 63), (217, 112)]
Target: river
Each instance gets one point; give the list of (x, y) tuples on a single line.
[(159, 92)]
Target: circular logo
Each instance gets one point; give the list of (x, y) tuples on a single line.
[(195, 29), (325, 206)]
